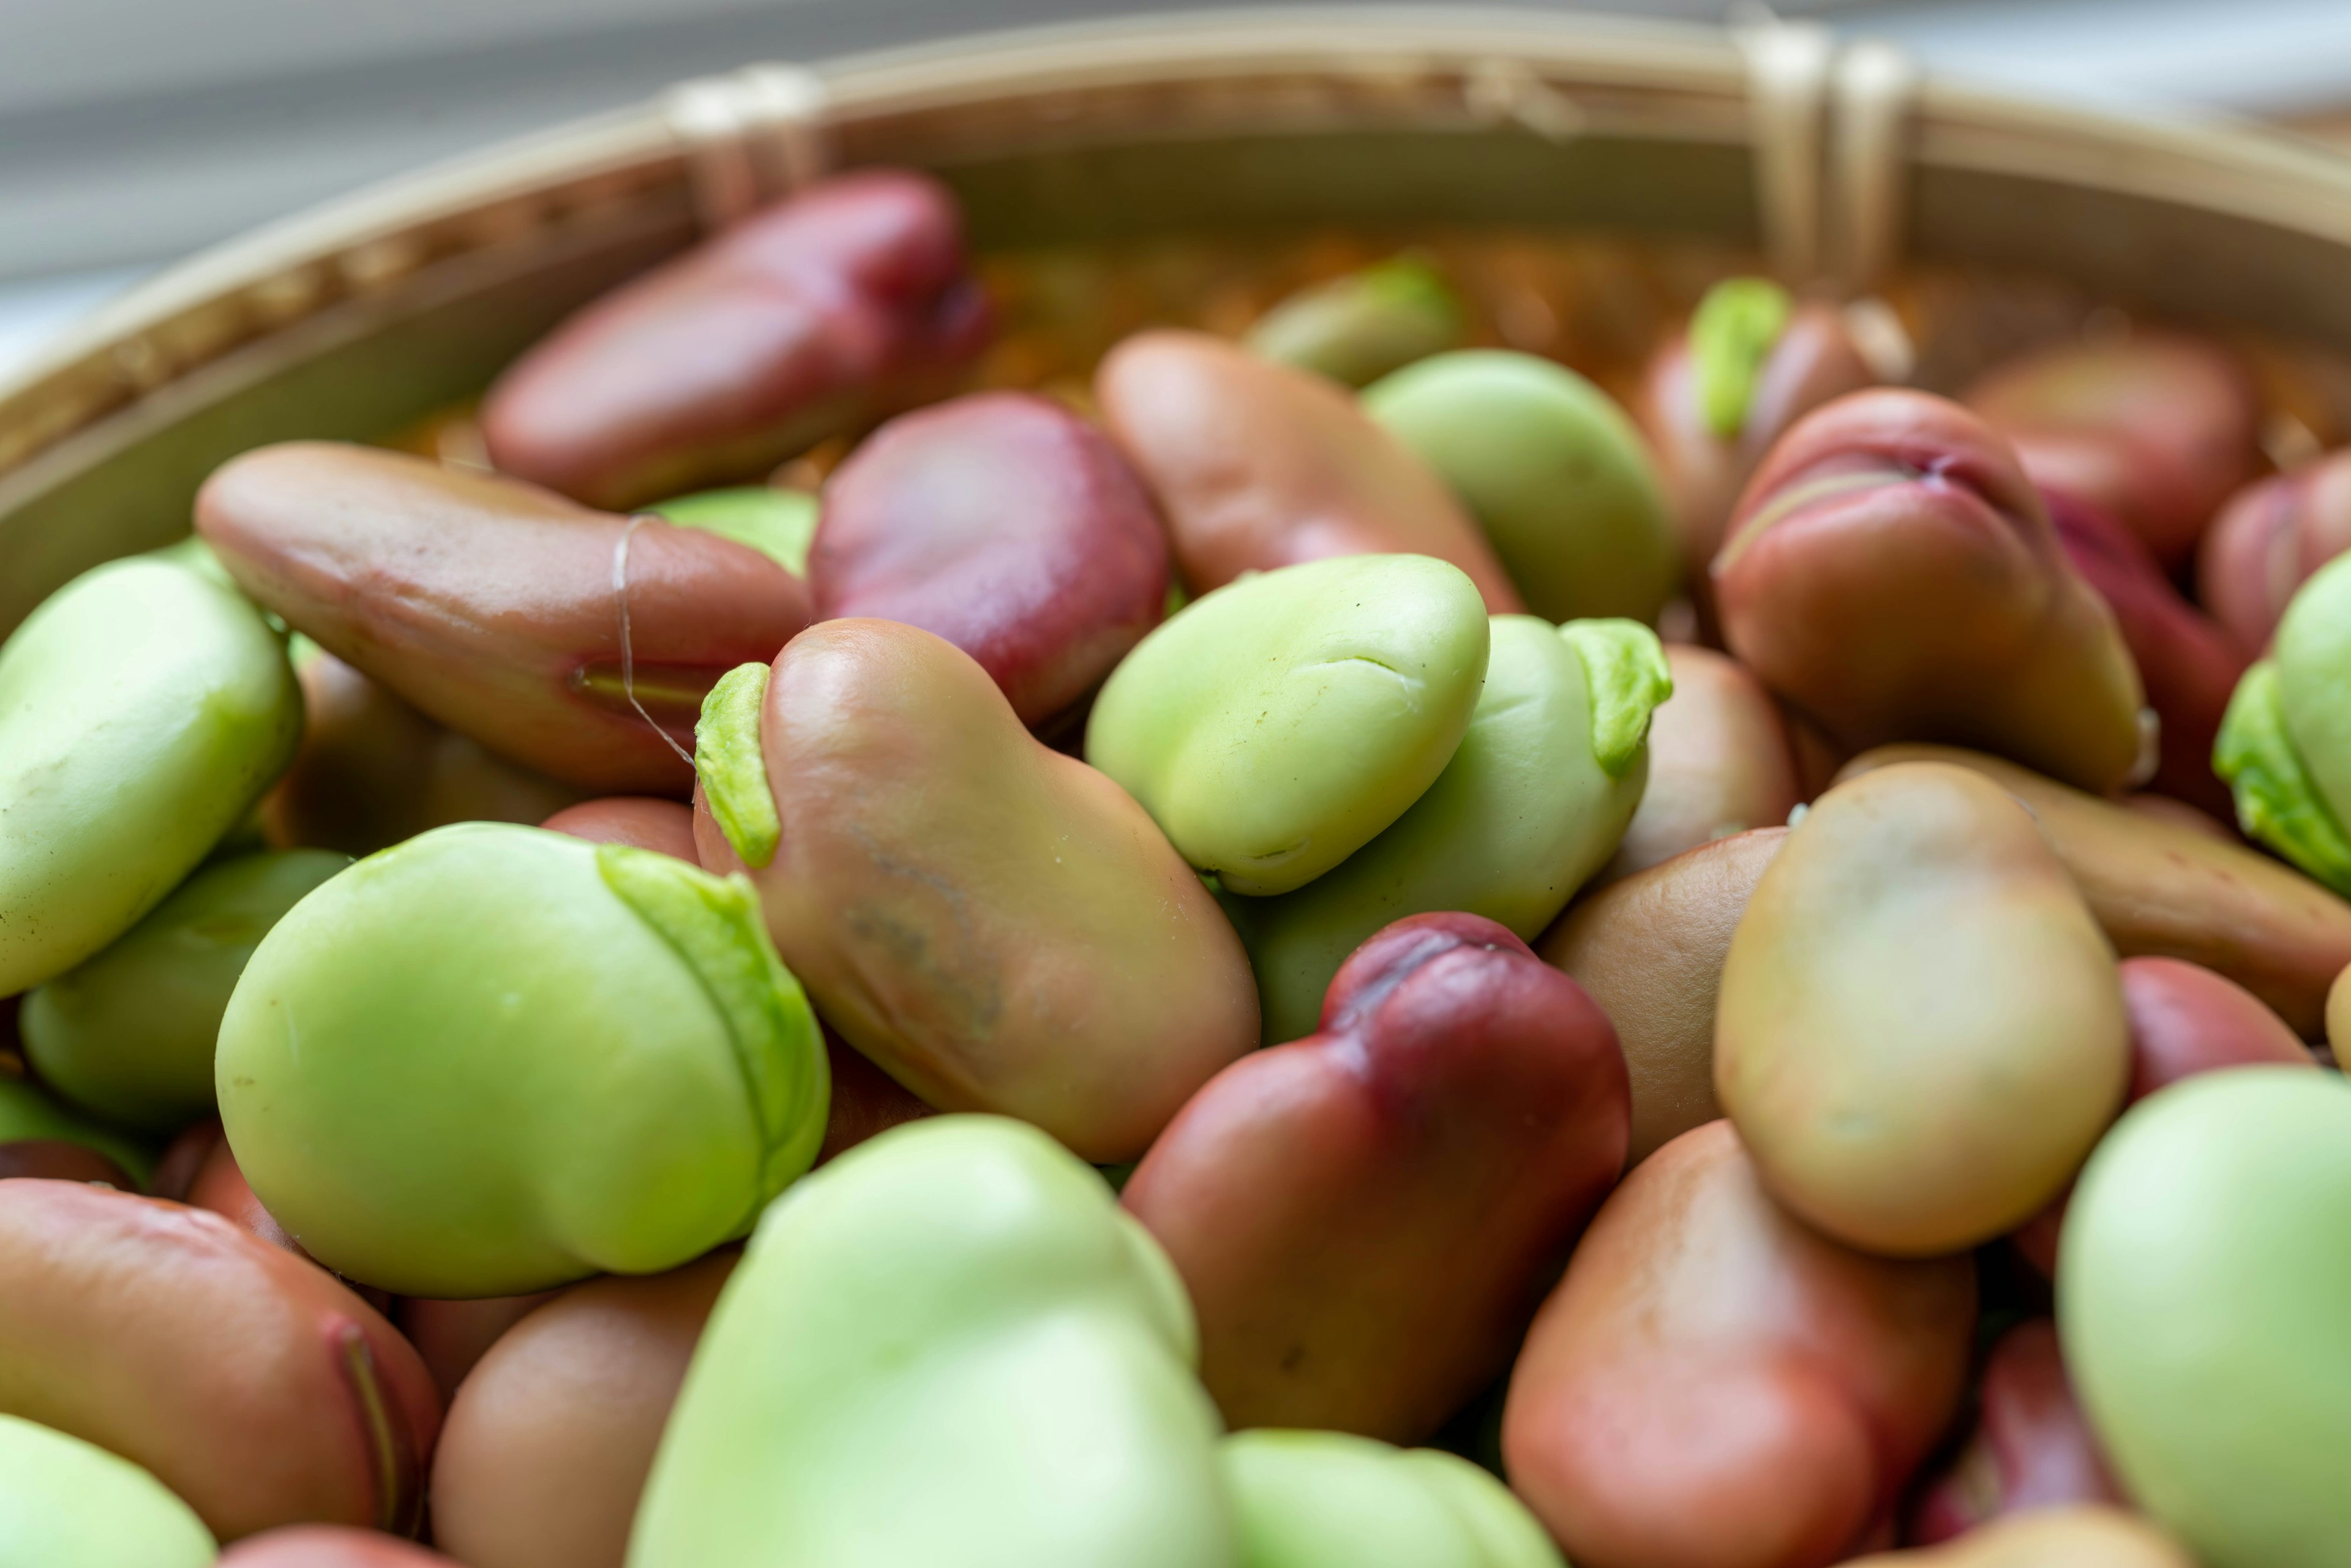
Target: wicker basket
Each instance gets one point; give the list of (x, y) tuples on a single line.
[(1837, 164)]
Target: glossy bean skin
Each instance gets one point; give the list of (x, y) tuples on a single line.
[(997, 925), (2160, 888), (2188, 666), (1275, 727), (1534, 798), (67, 1503), (144, 707), (2085, 1536), (1326, 1500), (1920, 1032), (845, 302), (330, 1546), (2203, 1260), (2285, 745), (1721, 761), (548, 1442), (130, 1034), (665, 827), (922, 1344), (1367, 1217), (371, 771), (2031, 1447), (1891, 572), (1256, 465), (1007, 525), (1359, 326), (451, 1337), (495, 1059), (1649, 949), (1812, 361), (2268, 540), (1554, 472), (2156, 429), (495, 607), (1717, 1386), (251, 1383)]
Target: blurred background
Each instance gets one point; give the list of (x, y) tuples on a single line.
[(135, 131)]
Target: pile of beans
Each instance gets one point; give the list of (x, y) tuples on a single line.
[(1224, 998)]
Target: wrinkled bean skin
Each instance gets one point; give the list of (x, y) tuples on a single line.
[(995, 925), (1921, 1033), (2163, 889), (1720, 762), (923, 1344), (130, 1034), (1890, 571), (1521, 815), (848, 301), (665, 827), (1367, 1217), (451, 1337), (330, 1546), (249, 1382), (2088, 1536), (490, 604), (495, 1059), (1009, 526), (2188, 666), (144, 707), (1324, 1500), (1813, 362), (1649, 950), (66, 1504), (2031, 1447), (1717, 1386), (2269, 540), (1277, 725), (1256, 465), (2156, 430), (2198, 1300), (1554, 472), (548, 1444), (371, 771)]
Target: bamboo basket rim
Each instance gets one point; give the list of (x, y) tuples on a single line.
[(1616, 76)]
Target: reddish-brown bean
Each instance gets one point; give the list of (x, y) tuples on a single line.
[(866, 1100), (451, 1337), (2188, 663), (1367, 1217), (1891, 572), (2031, 1447), (665, 825), (1009, 526), (1720, 762), (1256, 465), (1716, 1385), (330, 1546), (251, 1383), (2268, 540), (2156, 429), (1814, 361), (550, 1441), (844, 303), (53, 1159), (497, 607)]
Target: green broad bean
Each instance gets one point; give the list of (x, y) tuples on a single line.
[(2285, 743), (1329, 1499), (65, 1503), (1280, 723), (1358, 327), (130, 1034), (1554, 472), (30, 1114), (924, 1346), (779, 524), (1533, 802), (494, 1059), (143, 710)]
